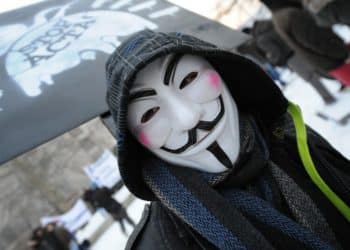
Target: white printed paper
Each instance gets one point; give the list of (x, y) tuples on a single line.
[(104, 172)]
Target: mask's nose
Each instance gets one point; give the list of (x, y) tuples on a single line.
[(183, 114)]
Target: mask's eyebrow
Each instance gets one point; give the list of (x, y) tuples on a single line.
[(142, 93), (171, 67)]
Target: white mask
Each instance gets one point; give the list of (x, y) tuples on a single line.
[(180, 109)]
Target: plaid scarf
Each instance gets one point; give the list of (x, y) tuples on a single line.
[(255, 205)]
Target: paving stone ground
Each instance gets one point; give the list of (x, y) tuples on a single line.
[(47, 180)]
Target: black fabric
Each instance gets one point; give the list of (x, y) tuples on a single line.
[(340, 181), (268, 41), (333, 167), (325, 156), (133, 238), (286, 155), (101, 197), (162, 230), (274, 5), (250, 49)]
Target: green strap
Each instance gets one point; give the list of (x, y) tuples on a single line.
[(309, 166)]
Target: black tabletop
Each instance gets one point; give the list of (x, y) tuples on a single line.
[(52, 58)]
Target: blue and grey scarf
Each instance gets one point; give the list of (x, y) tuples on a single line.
[(256, 205)]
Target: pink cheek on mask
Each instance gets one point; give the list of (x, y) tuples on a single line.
[(214, 80), (143, 138)]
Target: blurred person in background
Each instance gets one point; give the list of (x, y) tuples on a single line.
[(306, 27), (319, 46), (102, 198), (52, 237), (267, 45)]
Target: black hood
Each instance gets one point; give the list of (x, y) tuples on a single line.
[(251, 88)]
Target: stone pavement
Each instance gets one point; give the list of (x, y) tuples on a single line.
[(47, 180)]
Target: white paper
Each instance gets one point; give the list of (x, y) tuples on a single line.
[(104, 172)]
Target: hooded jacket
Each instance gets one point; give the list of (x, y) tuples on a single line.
[(209, 221)]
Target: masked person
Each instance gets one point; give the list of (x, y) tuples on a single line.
[(209, 138), (267, 45)]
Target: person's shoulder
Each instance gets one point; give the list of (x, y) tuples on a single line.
[(160, 229), (138, 228), (148, 233)]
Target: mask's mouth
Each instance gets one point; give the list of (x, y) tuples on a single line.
[(202, 125)]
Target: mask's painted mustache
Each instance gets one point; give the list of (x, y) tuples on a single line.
[(192, 139), (192, 134), (209, 125)]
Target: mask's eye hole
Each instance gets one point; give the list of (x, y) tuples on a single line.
[(188, 79), (149, 114)]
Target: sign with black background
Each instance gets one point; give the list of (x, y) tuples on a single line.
[(52, 58)]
